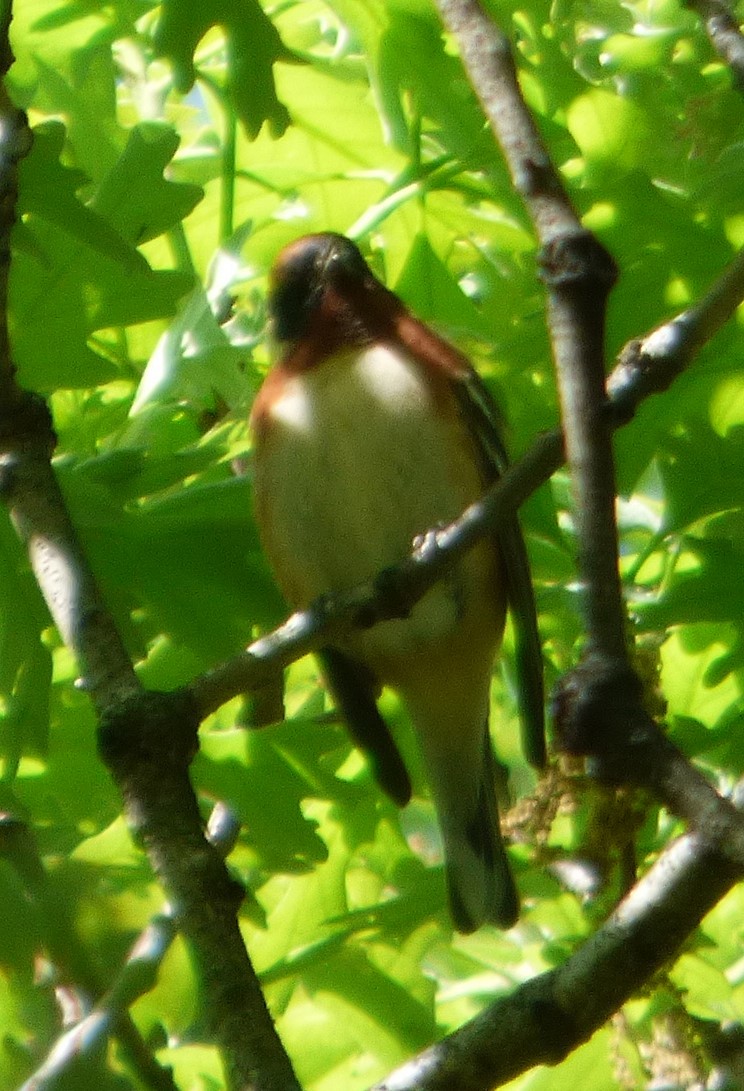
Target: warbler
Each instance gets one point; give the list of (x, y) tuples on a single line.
[(369, 430)]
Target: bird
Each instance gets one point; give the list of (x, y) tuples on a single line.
[(370, 430)]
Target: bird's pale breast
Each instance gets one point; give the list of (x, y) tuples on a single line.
[(358, 456)]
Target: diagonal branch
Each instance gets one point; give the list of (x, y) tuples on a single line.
[(544, 1020), (70, 958), (645, 366), (650, 364), (110, 1015)]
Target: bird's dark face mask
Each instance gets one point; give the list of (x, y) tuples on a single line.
[(325, 263)]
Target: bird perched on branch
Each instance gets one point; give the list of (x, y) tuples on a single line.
[(370, 430)]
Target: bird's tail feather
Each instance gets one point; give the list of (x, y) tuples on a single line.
[(479, 880)]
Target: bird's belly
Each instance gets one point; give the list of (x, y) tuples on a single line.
[(358, 460)]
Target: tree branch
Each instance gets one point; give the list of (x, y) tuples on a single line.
[(650, 364), (578, 273), (548, 1017), (487, 58), (147, 739), (725, 35)]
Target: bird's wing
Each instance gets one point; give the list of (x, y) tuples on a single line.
[(484, 421), (352, 688)]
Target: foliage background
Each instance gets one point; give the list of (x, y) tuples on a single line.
[(151, 212)]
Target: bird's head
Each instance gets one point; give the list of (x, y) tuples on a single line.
[(324, 300), (323, 294)]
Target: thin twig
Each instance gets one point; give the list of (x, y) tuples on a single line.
[(73, 966), (650, 364), (89, 1036), (110, 1016)]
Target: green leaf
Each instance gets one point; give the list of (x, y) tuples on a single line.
[(194, 359), (612, 132), (135, 197), (49, 191), (253, 46), (708, 993), (701, 473), (80, 276), (434, 295)]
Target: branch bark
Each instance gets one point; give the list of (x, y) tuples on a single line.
[(579, 274), (147, 739), (725, 35)]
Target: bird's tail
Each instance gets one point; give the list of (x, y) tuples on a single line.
[(479, 880)]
